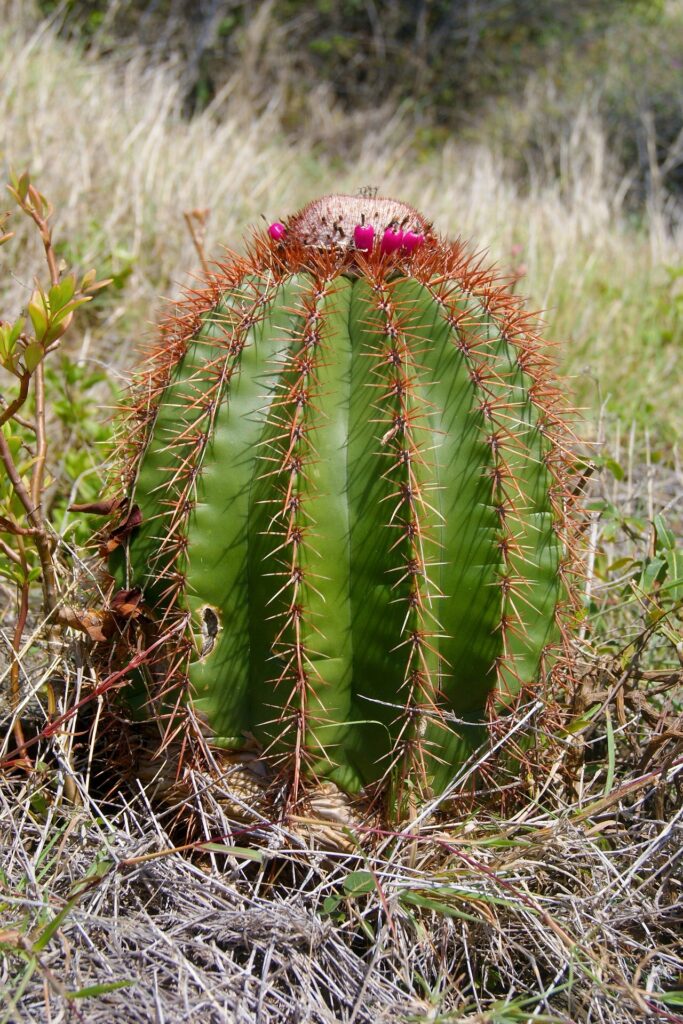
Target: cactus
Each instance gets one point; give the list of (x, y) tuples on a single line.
[(346, 483)]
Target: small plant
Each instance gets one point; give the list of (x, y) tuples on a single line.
[(346, 516), (28, 344)]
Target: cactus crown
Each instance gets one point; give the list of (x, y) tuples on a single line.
[(348, 510), (331, 222)]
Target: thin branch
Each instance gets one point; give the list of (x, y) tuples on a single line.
[(16, 404), (43, 540), (200, 217)]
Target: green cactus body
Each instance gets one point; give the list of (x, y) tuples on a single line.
[(350, 477)]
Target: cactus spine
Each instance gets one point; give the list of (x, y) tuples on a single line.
[(349, 480)]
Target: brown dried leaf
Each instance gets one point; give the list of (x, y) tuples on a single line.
[(119, 534), (99, 508), (86, 620), (128, 603)]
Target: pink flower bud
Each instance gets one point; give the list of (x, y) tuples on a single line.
[(411, 241), (276, 231), (391, 240), (364, 236)]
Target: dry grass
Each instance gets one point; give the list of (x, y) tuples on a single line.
[(569, 908)]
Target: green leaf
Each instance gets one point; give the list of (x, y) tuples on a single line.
[(39, 804), (652, 569), (580, 722), (674, 582), (8, 571), (665, 538), (17, 328), (674, 998), (234, 851), (22, 185), (620, 563), (99, 990), (359, 883), (33, 354), (37, 312), (88, 279), (427, 903), (98, 870), (70, 307), (61, 293), (13, 440), (49, 930), (614, 468), (11, 364), (8, 339), (330, 904)]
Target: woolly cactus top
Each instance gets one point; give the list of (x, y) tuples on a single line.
[(355, 222)]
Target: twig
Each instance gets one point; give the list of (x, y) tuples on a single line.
[(198, 236), (42, 538), (14, 406), (14, 687)]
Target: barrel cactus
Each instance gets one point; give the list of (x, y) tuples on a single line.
[(346, 505)]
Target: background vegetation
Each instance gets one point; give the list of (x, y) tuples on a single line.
[(549, 134)]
